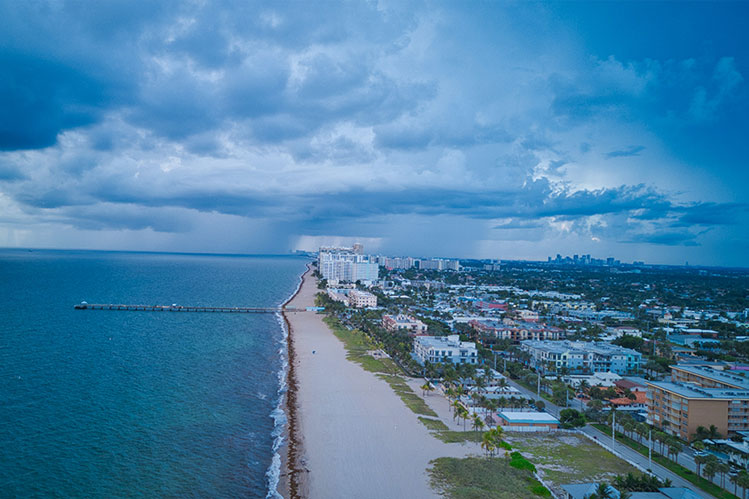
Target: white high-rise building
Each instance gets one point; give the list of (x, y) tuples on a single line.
[(345, 264)]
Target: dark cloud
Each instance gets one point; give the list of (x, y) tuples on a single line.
[(163, 116)]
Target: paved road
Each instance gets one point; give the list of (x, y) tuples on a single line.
[(637, 458)]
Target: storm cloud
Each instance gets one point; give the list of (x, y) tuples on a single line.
[(246, 127)]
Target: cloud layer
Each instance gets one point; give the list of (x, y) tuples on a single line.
[(496, 132)]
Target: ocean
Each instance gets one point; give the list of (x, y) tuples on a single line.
[(147, 404)]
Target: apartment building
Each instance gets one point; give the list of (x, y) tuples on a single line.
[(400, 321), (347, 265), (444, 349), (516, 331), (353, 297), (699, 396), (362, 299), (581, 356)]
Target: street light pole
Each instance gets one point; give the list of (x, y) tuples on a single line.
[(613, 426), (650, 449)]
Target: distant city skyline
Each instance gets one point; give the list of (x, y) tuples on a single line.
[(471, 130)]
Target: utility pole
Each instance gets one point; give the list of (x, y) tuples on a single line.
[(613, 427), (538, 388), (650, 449)]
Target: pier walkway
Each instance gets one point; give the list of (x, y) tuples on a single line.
[(185, 308)]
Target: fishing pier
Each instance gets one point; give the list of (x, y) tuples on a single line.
[(186, 308)]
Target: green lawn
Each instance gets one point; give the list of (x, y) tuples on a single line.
[(357, 345), (433, 424), (483, 478), (453, 437), (680, 470), (568, 458), (412, 401)]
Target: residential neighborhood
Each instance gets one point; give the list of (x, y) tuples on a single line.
[(650, 361)]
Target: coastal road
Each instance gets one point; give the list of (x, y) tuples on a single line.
[(632, 455)]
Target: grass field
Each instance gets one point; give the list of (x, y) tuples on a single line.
[(454, 437), (433, 424), (486, 478), (568, 458)]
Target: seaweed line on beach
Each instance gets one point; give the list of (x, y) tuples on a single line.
[(294, 468)]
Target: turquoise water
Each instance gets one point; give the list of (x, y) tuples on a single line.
[(149, 404)]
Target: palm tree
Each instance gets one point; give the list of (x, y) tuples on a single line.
[(742, 480), (603, 491), (711, 468), (456, 405), (642, 429), (699, 461), (488, 444), (713, 432), (674, 448), (723, 468), (463, 414), (426, 387), (701, 433), (478, 424)]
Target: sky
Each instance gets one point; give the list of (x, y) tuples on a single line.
[(507, 130)]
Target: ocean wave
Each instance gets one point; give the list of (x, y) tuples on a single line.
[(278, 414)]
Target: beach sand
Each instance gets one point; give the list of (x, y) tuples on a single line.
[(354, 436)]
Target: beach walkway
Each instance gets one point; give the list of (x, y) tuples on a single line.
[(358, 437)]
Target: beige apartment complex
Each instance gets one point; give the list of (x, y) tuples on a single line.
[(400, 321), (699, 396)]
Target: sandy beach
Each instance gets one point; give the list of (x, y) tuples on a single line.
[(353, 436)]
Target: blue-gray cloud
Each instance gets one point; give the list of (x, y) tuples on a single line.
[(159, 116)]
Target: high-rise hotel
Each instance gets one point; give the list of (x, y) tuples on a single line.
[(347, 265)]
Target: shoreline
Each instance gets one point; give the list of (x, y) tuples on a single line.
[(290, 483), (351, 434)]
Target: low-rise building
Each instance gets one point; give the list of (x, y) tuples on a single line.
[(353, 297), (400, 321), (516, 331), (362, 299), (444, 349), (581, 356), (528, 418)]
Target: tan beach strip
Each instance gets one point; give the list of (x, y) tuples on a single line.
[(352, 436)]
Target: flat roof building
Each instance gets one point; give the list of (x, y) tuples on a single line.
[(446, 349), (698, 396), (528, 418), (516, 330), (400, 321), (582, 356)]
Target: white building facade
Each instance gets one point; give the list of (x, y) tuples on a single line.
[(444, 349), (346, 265)]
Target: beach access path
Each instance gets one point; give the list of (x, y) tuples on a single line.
[(358, 438)]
